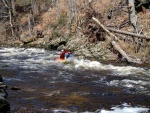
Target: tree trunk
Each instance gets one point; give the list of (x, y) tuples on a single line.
[(119, 49), (111, 38), (58, 7), (106, 30), (29, 24), (129, 33), (132, 15), (10, 13), (10, 22), (13, 7)]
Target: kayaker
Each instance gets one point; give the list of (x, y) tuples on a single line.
[(62, 54), (68, 54)]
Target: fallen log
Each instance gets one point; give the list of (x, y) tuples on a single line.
[(106, 30), (119, 49), (129, 33), (112, 39)]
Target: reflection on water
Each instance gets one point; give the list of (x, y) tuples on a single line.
[(72, 86)]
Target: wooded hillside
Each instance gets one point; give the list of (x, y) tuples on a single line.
[(57, 24)]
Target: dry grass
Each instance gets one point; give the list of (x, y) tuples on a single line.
[(135, 51), (50, 17)]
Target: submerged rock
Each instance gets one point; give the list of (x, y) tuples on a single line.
[(15, 88)]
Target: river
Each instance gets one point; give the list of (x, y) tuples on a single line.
[(78, 85)]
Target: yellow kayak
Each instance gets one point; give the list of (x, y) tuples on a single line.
[(60, 60)]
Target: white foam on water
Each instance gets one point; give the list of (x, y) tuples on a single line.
[(11, 51), (139, 84), (12, 79), (88, 64), (113, 82), (35, 57), (20, 51), (124, 108), (39, 59), (131, 81), (30, 58), (61, 111), (116, 70)]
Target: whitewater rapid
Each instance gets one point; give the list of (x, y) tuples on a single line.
[(39, 60), (33, 57)]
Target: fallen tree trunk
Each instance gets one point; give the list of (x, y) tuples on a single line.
[(112, 38), (106, 30), (128, 33), (119, 49)]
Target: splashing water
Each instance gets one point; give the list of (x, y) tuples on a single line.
[(44, 58), (88, 78)]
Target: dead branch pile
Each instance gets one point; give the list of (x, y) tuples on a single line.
[(118, 23), (93, 32)]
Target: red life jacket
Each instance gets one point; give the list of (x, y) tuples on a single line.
[(62, 55)]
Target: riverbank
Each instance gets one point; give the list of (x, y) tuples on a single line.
[(100, 51), (79, 33)]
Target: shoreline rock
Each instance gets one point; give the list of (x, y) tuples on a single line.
[(4, 105), (88, 51)]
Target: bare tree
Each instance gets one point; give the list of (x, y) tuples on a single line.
[(72, 10), (132, 15), (13, 7), (10, 13), (58, 7)]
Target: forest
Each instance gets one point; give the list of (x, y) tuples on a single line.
[(118, 28)]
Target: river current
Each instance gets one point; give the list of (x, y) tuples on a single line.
[(74, 86)]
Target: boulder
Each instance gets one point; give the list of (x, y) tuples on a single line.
[(54, 44), (4, 105)]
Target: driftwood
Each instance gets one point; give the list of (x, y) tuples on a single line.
[(106, 30), (128, 33), (112, 39)]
